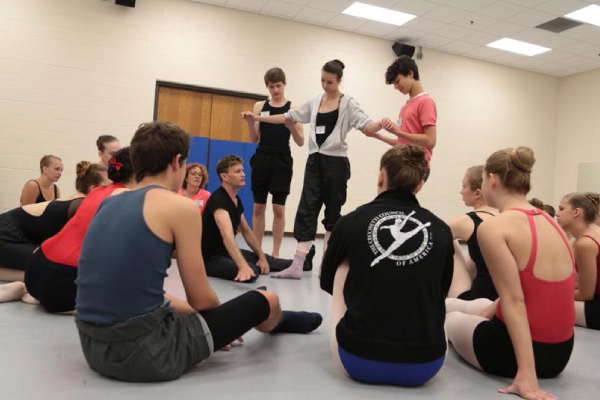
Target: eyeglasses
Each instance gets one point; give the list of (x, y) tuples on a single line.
[(195, 174)]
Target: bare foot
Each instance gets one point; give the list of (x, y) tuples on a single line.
[(12, 291), (29, 299)]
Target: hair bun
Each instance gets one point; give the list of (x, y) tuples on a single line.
[(339, 62), (594, 198), (83, 168), (413, 155), (522, 158)]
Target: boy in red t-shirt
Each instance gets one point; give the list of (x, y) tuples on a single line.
[(417, 118)]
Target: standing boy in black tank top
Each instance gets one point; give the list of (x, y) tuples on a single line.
[(272, 165)]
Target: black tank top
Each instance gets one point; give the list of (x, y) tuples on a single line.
[(41, 198), (473, 244), (325, 125), (274, 135), (52, 220)]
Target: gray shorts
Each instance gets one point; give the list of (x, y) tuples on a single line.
[(158, 346)]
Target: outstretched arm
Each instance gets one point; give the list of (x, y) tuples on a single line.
[(253, 125), (296, 129)]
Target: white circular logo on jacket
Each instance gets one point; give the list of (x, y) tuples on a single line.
[(389, 237)]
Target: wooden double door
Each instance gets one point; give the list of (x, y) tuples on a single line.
[(205, 113)]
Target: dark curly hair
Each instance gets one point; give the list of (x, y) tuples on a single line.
[(402, 66), (119, 166)]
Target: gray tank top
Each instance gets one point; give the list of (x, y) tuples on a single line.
[(123, 264)]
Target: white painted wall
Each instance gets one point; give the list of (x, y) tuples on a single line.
[(72, 70), (578, 138)]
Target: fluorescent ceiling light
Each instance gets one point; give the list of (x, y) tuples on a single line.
[(516, 46), (589, 15), (380, 14)]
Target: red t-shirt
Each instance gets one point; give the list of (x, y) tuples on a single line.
[(199, 198), (415, 115), (65, 246)]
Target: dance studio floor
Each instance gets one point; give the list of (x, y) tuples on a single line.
[(40, 358)]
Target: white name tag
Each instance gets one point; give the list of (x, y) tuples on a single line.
[(265, 113), (320, 130), (199, 203)]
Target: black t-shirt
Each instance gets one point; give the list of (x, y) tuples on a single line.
[(212, 241), (401, 265)]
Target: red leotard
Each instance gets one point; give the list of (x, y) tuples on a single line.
[(597, 291), (550, 304), (65, 246)]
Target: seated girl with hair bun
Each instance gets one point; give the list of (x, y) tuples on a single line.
[(528, 333), (389, 266), (24, 228), (196, 178), (577, 214), (50, 276)]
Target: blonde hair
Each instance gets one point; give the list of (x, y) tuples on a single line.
[(513, 167), (475, 177), (46, 161)]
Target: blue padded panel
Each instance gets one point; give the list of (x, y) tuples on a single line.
[(198, 150), (219, 148)]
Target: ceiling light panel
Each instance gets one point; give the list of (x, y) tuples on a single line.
[(589, 15), (380, 14), (516, 46)]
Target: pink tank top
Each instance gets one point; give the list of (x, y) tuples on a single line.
[(550, 304)]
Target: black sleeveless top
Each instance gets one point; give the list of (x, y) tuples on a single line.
[(325, 124), (274, 135), (52, 220), (473, 244), (41, 198)]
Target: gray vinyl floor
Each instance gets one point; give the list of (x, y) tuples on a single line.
[(40, 358)]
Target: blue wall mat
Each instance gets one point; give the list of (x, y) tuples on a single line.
[(198, 150), (219, 148), (246, 192)]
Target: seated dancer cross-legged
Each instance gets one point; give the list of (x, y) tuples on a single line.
[(51, 273), (128, 328), (389, 266), (577, 214), (24, 228), (528, 333), (464, 286), (223, 215)]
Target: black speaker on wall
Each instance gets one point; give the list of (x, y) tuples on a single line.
[(401, 49), (126, 3)]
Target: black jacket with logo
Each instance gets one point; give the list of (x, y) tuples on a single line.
[(401, 265)]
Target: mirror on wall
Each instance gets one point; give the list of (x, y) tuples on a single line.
[(588, 177)]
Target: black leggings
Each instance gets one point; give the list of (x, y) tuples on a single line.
[(16, 255), (496, 355), (325, 182), (232, 319), (223, 266), (592, 312), (52, 284)]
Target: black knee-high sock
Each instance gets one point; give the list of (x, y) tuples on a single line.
[(298, 322)]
